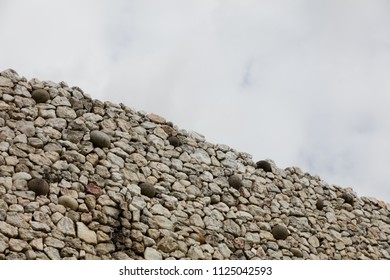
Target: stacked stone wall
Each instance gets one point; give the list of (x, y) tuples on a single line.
[(86, 179)]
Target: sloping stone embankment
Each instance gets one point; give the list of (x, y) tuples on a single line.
[(86, 179)]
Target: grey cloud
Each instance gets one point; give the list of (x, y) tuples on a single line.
[(301, 82)]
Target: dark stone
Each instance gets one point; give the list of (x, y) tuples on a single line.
[(39, 186), (100, 139), (348, 198), (320, 204), (40, 95), (174, 141), (265, 165), (147, 189), (280, 232), (235, 181)]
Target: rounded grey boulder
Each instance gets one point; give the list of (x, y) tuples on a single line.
[(39, 186), (235, 181), (320, 204), (100, 139), (265, 165), (280, 232), (348, 198), (40, 95), (147, 189), (174, 141)]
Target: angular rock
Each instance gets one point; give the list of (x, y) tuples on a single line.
[(152, 254), (66, 226), (85, 234)]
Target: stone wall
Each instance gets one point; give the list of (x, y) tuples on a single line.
[(86, 179)]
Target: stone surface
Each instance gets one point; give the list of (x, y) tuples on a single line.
[(100, 139), (152, 254), (85, 234), (39, 186), (68, 202), (86, 179)]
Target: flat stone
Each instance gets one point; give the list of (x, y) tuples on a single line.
[(17, 245), (8, 230), (331, 218), (5, 82), (163, 222), (138, 203), (17, 220), (196, 220), (156, 118), (152, 254), (40, 226), (85, 234), (195, 253), (26, 127), (114, 159), (231, 227), (37, 244), (65, 112), (52, 253), (54, 242), (167, 244), (66, 226), (105, 248), (313, 241), (201, 156), (60, 101), (224, 250), (3, 245)]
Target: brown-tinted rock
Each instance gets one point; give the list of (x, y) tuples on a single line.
[(156, 118), (40, 95), (265, 165), (39, 186), (320, 204), (94, 189), (235, 181), (100, 139), (280, 232), (147, 189), (174, 141), (348, 198)]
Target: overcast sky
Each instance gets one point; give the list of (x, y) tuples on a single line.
[(304, 83)]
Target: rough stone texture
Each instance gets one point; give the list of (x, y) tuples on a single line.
[(65, 195)]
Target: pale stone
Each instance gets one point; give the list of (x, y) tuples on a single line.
[(85, 234), (66, 226), (8, 230), (152, 254), (17, 245)]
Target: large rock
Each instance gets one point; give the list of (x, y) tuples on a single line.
[(39, 186), (85, 234), (100, 139)]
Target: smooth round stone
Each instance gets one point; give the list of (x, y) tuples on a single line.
[(100, 139), (68, 202)]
